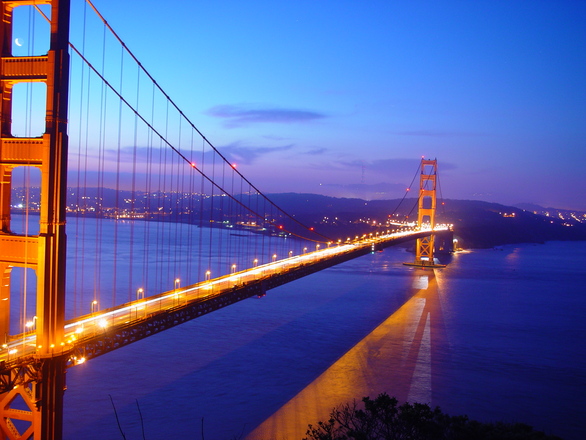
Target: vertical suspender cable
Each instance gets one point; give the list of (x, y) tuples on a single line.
[(210, 224), (117, 205), (202, 196), (147, 203), (191, 222), (131, 286), (78, 272)]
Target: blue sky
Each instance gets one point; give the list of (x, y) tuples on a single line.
[(343, 97)]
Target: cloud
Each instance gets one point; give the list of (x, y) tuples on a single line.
[(316, 151), (377, 191), (383, 165), (236, 152), (436, 133), (274, 138), (381, 187), (395, 166), (140, 158), (239, 115)]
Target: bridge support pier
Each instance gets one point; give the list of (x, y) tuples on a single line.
[(31, 405), (50, 404)]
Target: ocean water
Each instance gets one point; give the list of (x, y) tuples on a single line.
[(497, 335)]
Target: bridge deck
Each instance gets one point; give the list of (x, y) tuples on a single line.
[(95, 334)]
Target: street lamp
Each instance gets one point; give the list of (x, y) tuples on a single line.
[(274, 257), (31, 324), (93, 306), (255, 262), (290, 254), (235, 279), (304, 250), (139, 293), (176, 286), (208, 275)]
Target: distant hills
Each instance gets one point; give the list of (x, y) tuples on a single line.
[(477, 224)]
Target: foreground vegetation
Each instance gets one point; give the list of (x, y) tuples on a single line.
[(383, 419)]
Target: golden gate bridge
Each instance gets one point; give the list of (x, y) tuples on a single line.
[(109, 149)]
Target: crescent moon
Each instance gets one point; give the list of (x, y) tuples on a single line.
[(17, 42)]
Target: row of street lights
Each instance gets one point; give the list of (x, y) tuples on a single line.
[(140, 293)]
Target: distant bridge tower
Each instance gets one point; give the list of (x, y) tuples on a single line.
[(426, 213), (426, 209), (31, 388)]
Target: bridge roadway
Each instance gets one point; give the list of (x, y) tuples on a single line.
[(97, 333)]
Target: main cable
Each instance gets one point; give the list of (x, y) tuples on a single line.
[(292, 218)]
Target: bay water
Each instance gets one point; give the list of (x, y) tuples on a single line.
[(497, 335)]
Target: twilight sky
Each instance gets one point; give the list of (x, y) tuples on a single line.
[(344, 97)]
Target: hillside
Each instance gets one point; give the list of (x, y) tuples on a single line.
[(477, 224)]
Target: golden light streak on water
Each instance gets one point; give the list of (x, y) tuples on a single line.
[(396, 358)]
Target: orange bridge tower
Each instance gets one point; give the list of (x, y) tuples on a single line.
[(426, 214), (32, 386)]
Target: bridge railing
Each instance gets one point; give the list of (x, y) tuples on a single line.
[(88, 328)]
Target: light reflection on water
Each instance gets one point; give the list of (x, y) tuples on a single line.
[(395, 358), (491, 336)]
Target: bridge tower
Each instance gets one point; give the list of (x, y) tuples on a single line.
[(426, 213), (426, 209), (32, 386)]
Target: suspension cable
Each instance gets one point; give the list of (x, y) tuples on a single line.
[(407, 191), (168, 98), (195, 128)]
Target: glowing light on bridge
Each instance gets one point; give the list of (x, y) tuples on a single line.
[(168, 194), (31, 324), (97, 322)]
